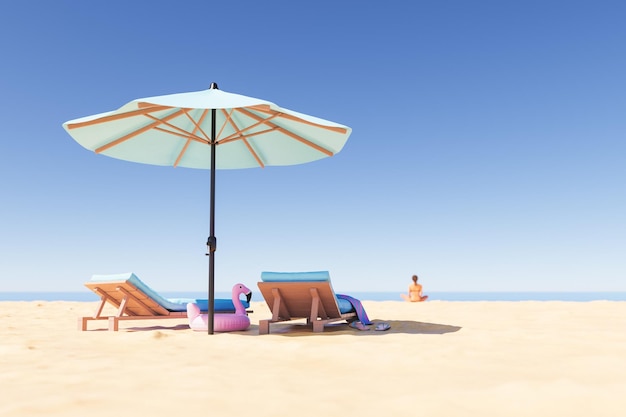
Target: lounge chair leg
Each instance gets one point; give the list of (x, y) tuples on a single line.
[(114, 324), (264, 327), (82, 323), (318, 326)]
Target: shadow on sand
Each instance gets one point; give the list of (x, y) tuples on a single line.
[(144, 328), (302, 329), (397, 326)]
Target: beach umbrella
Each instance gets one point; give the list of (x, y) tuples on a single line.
[(209, 129)]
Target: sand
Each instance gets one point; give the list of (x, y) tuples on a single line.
[(438, 359)]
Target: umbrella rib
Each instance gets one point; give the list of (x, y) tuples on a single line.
[(299, 120), (112, 117), (238, 134), (233, 138), (288, 133), (186, 133), (182, 152), (306, 142), (138, 131), (228, 117), (254, 154), (244, 139), (198, 123)]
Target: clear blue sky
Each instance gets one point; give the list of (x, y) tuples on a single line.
[(488, 150)]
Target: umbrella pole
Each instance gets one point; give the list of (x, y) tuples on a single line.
[(212, 242)]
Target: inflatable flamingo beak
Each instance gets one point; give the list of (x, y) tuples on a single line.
[(249, 296)]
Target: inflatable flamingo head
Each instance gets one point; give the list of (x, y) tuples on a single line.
[(241, 289)]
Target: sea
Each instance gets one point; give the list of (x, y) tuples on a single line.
[(364, 296)]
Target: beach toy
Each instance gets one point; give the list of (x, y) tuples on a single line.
[(222, 322)]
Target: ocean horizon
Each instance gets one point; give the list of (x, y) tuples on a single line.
[(362, 295)]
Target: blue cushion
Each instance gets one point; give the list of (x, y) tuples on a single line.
[(180, 304), (318, 276), (345, 306), (222, 305)]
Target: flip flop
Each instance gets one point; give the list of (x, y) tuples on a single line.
[(381, 327), (358, 325)]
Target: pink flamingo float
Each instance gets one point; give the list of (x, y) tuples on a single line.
[(222, 322)]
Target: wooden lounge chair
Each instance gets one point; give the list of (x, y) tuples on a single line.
[(302, 295), (134, 300)]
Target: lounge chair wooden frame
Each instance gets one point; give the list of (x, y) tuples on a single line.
[(131, 303), (311, 300)]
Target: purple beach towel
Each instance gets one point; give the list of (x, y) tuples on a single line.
[(358, 307)]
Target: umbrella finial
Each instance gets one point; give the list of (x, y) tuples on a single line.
[(214, 86)]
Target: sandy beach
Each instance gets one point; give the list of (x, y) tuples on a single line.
[(438, 359)]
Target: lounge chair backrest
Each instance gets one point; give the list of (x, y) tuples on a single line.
[(309, 276), (148, 293), (325, 287), (294, 295), (144, 292)]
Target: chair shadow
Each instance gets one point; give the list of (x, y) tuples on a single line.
[(397, 326), (298, 329), (177, 327)]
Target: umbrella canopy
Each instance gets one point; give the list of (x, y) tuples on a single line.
[(209, 129), (176, 129)]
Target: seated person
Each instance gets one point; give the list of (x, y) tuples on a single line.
[(415, 292)]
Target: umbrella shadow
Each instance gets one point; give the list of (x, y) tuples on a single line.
[(397, 327)]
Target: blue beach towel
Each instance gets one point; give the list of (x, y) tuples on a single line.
[(358, 307)]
